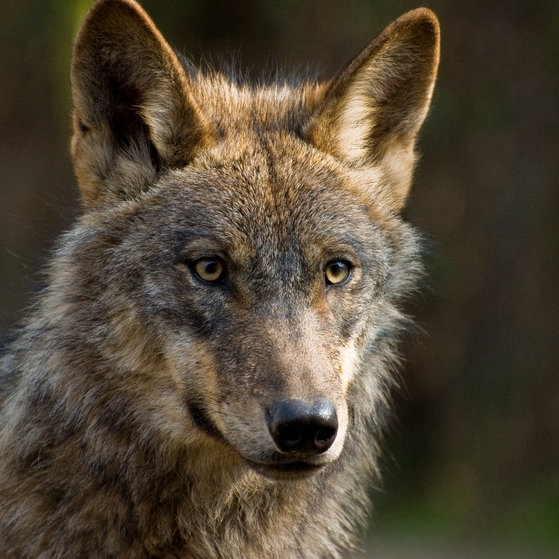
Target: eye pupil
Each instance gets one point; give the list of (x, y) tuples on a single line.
[(337, 272), (210, 270)]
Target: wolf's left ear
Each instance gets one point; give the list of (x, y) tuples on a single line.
[(370, 114), (134, 112)]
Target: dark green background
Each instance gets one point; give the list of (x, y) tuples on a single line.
[(474, 455)]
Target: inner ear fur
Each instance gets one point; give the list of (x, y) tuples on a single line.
[(371, 112), (133, 110)]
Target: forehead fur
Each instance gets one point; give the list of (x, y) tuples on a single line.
[(262, 154), (232, 105), (273, 180)]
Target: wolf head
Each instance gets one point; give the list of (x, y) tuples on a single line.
[(243, 243)]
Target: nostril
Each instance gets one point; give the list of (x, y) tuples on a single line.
[(303, 429), (324, 437), (289, 434), (328, 424)]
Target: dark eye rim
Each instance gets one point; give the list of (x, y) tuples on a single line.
[(350, 267), (219, 280)]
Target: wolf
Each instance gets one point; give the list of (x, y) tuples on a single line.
[(207, 371)]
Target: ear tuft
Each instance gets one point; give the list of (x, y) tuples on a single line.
[(134, 112), (372, 111)]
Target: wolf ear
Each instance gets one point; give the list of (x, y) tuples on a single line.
[(133, 110), (370, 114)]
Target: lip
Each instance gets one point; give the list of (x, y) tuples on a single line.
[(285, 471)]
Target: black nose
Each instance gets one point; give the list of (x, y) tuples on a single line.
[(299, 428)]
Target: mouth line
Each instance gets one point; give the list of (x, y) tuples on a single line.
[(204, 423), (287, 470)]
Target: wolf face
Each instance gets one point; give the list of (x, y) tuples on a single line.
[(258, 297), (260, 235)]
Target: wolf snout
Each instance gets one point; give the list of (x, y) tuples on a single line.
[(301, 429)]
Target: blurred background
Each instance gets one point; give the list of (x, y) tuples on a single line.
[(472, 464)]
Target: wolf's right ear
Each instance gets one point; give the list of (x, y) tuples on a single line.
[(133, 110), (370, 114)]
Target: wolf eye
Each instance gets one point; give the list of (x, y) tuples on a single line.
[(210, 270), (337, 271)]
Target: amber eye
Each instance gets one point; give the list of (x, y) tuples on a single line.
[(210, 270), (337, 272)]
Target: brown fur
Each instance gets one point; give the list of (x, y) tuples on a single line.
[(134, 401)]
